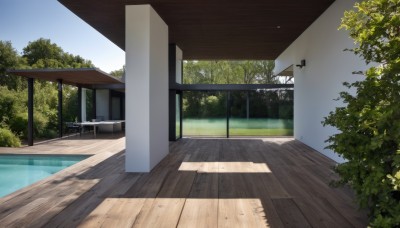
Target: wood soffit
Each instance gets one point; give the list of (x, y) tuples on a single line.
[(83, 76), (212, 29)]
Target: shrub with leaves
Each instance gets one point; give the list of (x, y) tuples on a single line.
[(8, 139), (369, 124)]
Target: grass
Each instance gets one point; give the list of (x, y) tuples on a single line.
[(238, 127)]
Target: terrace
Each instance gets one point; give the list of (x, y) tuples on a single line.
[(277, 182), (145, 180)]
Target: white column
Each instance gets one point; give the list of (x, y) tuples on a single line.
[(83, 105), (146, 83)]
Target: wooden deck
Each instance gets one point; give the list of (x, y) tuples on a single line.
[(201, 183)]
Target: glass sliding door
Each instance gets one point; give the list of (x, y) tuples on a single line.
[(178, 116), (204, 114), (261, 113)]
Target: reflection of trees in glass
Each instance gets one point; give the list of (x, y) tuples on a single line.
[(251, 104), (89, 105), (267, 113), (275, 104), (230, 72), (204, 104)]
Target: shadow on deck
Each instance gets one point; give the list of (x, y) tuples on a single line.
[(201, 183)]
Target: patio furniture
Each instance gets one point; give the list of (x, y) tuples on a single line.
[(104, 126), (73, 126), (111, 126)]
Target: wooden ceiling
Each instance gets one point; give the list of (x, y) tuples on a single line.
[(212, 29), (83, 76)]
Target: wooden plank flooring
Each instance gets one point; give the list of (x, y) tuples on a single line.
[(273, 182)]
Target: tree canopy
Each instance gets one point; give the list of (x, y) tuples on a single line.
[(118, 73), (369, 124), (230, 72), (9, 59), (264, 104), (41, 53)]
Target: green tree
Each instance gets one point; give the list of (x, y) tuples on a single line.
[(75, 61), (42, 49), (13, 92), (42, 53), (118, 73), (9, 59), (229, 72), (369, 123), (266, 72)]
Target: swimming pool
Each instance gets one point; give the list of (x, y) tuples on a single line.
[(18, 171)]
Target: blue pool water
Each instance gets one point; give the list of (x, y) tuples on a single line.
[(18, 171)]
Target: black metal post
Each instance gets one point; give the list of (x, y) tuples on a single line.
[(94, 104), (228, 112), (172, 65), (60, 115), (181, 113), (247, 105), (182, 72), (30, 111), (110, 106), (172, 115), (121, 107), (79, 103), (172, 93)]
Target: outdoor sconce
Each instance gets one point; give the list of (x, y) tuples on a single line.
[(302, 63)]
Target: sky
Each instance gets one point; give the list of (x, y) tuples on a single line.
[(22, 21)]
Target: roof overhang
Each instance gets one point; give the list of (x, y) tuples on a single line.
[(212, 29), (287, 72), (86, 77)]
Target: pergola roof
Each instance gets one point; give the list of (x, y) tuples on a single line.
[(76, 76), (212, 29)]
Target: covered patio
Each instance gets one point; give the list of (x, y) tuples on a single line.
[(157, 36), (107, 101), (276, 182), (144, 180)]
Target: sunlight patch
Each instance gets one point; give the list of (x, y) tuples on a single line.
[(225, 167)]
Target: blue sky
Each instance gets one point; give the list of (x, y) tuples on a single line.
[(22, 21)]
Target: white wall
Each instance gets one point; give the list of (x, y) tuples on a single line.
[(102, 103), (159, 144), (146, 83), (317, 84)]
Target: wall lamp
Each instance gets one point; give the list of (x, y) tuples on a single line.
[(302, 63)]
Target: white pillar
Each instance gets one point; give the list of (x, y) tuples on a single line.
[(146, 88), (83, 105)]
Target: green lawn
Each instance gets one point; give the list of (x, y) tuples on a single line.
[(238, 127)]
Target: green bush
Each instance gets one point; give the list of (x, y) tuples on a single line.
[(49, 134), (8, 139), (210, 106), (369, 124), (19, 124), (40, 125)]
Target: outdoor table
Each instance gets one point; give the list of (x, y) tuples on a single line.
[(101, 123)]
